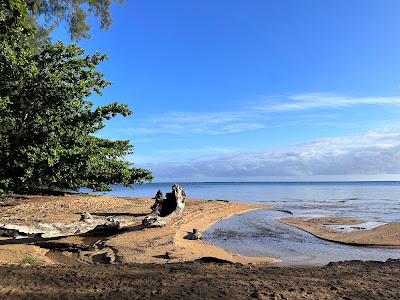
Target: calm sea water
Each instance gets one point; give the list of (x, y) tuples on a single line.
[(260, 233), (375, 201)]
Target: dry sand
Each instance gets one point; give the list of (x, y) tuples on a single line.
[(137, 245), (387, 235), (151, 244)]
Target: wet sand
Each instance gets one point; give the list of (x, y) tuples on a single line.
[(328, 228), (195, 280)]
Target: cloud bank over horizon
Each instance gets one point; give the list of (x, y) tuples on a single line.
[(376, 152), (274, 138)]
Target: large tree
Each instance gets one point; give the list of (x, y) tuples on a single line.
[(47, 125)]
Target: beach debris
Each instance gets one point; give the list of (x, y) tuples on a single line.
[(159, 200), (166, 209), (87, 223), (87, 253), (86, 217), (196, 235), (162, 211), (154, 221)]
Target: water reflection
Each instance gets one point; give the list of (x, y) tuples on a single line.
[(259, 233)]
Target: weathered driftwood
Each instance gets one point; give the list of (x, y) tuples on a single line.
[(162, 211), (166, 209), (156, 207), (86, 223)]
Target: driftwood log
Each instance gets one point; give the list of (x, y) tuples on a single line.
[(166, 209), (86, 224), (162, 211)]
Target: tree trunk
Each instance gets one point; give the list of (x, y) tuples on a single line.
[(166, 209)]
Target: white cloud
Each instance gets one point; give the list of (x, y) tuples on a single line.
[(254, 117), (301, 109), (373, 153), (319, 100), (188, 123)]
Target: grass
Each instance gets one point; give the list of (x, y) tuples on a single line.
[(30, 261)]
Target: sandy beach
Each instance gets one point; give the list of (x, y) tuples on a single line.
[(138, 245), (328, 228), (199, 149), (134, 264)]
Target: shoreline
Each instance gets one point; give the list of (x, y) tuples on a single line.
[(151, 245), (200, 214), (148, 245), (218, 252), (384, 236)]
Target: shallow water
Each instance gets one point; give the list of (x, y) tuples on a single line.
[(260, 234)]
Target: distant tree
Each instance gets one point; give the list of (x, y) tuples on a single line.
[(47, 125), (73, 12)]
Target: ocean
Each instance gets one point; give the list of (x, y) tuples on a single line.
[(259, 233), (375, 201)]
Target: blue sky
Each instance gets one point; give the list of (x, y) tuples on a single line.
[(256, 90)]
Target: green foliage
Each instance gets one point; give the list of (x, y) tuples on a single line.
[(74, 13), (27, 260), (47, 125)]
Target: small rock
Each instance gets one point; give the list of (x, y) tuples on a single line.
[(196, 235)]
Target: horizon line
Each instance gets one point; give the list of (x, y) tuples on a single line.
[(317, 181)]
